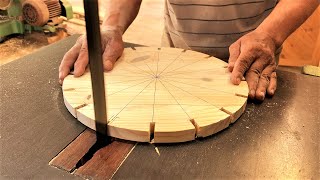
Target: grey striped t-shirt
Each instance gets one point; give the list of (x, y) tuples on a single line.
[(211, 26)]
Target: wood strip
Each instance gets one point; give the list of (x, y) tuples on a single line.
[(68, 158), (106, 161)]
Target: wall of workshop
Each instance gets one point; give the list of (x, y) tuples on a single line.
[(303, 46)]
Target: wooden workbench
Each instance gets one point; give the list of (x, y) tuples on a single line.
[(276, 139)]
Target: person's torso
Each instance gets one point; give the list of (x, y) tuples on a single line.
[(211, 26)]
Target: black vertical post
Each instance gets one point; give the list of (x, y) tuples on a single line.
[(96, 66)]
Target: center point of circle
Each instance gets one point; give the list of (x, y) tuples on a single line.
[(156, 76)]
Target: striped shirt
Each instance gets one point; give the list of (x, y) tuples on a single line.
[(211, 26)]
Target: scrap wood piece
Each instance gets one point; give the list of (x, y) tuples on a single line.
[(106, 161), (102, 165), (311, 70), (68, 158)]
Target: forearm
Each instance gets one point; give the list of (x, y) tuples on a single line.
[(287, 16), (120, 13)]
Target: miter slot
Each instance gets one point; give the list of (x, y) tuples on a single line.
[(196, 126), (152, 125), (241, 95)]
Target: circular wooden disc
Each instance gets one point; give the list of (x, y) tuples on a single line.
[(168, 94)]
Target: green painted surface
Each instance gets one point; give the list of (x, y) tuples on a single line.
[(68, 9), (15, 25), (15, 9), (50, 28), (11, 27)]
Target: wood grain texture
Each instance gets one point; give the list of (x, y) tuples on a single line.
[(103, 163), (106, 161), (68, 158), (169, 94)]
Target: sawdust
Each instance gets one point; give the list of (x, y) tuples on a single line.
[(20, 45), (157, 150), (17, 46)]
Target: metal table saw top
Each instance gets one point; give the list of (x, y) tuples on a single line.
[(276, 139)]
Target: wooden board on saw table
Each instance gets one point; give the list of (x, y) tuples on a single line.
[(169, 94)]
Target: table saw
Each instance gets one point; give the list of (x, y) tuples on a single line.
[(278, 138)]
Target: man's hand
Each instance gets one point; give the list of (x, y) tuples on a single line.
[(253, 57), (77, 57)]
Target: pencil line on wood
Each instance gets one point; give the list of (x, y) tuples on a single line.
[(151, 70), (145, 63), (158, 62), (203, 70), (130, 87), (165, 104), (192, 94), (132, 80), (154, 97), (115, 117), (198, 78), (181, 67), (114, 75), (175, 99), (171, 63), (203, 87), (140, 69), (181, 73), (176, 81), (136, 72)]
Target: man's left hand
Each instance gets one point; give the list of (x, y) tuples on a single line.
[(253, 57)]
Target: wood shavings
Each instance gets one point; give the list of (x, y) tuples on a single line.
[(157, 150)]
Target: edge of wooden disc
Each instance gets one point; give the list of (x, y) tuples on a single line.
[(204, 121)]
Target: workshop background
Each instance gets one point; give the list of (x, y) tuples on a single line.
[(301, 48), (41, 139)]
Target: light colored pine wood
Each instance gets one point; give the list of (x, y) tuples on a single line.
[(170, 94)]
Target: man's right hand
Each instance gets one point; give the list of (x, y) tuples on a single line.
[(77, 57)]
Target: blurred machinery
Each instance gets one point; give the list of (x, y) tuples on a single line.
[(19, 16)]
